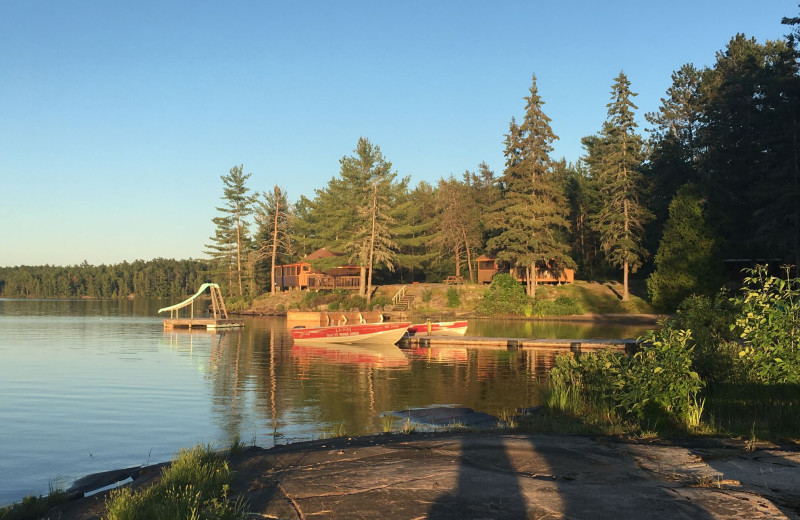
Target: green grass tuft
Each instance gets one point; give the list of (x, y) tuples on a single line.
[(194, 486)]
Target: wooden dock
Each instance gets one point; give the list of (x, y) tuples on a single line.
[(564, 345), (201, 323)]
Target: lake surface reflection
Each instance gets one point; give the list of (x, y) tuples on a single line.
[(88, 386)]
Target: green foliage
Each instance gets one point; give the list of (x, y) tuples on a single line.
[(714, 353), (379, 301), (686, 262), (453, 297), (561, 306), (656, 383), (33, 507), (427, 294), (769, 326), (504, 297), (194, 486)]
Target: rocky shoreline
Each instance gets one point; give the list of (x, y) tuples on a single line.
[(499, 475)]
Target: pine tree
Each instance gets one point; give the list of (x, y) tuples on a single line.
[(531, 214), (356, 211), (458, 221), (230, 243), (273, 217), (615, 157)]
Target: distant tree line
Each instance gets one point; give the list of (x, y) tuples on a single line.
[(159, 278)]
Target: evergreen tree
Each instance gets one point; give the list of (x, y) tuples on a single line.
[(750, 140), (532, 209), (583, 199), (674, 154), (356, 211), (458, 221), (414, 231), (686, 261), (273, 217), (230, 243), (615, 157)]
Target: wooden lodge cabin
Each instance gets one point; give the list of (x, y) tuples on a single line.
[(301, 275), (488, 267)]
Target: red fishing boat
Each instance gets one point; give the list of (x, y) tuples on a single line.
[(387, 333), (438, 328)]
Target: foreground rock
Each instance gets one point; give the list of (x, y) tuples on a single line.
[(509, 476)]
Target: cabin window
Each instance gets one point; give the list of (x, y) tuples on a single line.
[(306, 268), (486, 265)]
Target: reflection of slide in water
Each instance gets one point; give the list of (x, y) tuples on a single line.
[(363, 354), (441, 354)]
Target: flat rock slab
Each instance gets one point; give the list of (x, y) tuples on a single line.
[(488, 476), (449, 416), (520, 476)]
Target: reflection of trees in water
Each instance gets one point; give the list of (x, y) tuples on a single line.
[(259, 383)]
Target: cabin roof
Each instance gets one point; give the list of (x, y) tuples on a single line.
[(322, 252)]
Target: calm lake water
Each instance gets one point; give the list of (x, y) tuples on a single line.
[(89, 386)]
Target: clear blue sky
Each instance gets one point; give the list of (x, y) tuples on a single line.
[(118, 118)]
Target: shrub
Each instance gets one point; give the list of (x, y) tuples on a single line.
[(379, 301), (505, 296), (354, 302), (453, 298), (562, 306), (714, 353), (656, 382), (426, 295), (769, 327)]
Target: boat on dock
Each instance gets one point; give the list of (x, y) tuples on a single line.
[(439, 328), (385, 333)]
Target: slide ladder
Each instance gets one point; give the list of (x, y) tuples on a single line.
[(217, 304)]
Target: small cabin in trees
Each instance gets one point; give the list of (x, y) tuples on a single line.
[(302, 275), (488, 267)]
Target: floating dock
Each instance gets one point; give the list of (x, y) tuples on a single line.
[(220, 313), (200, 323), (565, 345)]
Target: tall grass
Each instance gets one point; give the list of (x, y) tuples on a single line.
[(194, 486), (33, 507)]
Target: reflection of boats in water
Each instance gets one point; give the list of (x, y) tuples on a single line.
[(438, 328), (387, 333), (375, 355)]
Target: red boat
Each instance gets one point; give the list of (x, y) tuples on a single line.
[(439, 328), (387, 333)]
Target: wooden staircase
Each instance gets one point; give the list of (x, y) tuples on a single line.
[(402, 301)]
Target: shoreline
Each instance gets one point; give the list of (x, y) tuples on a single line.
[(499, 474)]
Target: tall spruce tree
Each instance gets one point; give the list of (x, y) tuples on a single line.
[(531, 213), (230, 243), (615, 157)]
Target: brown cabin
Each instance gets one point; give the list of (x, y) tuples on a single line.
[(301, 275), (488, 267)]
